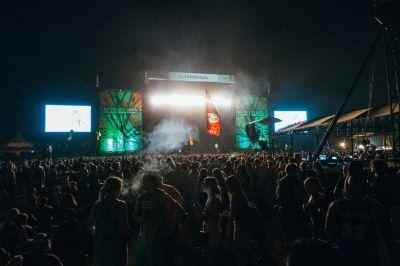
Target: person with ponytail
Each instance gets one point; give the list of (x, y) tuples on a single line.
[(220, 176), (238, 231), (211, 215), (108, 223)]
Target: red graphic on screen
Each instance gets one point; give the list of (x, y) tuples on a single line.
[(213, 122)]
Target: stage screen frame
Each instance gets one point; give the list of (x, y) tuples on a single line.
[(59, 119), (248, 109), (120, 125)]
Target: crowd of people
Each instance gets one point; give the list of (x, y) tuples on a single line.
[(198, 209)]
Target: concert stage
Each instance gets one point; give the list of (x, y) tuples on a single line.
[(175, 105)]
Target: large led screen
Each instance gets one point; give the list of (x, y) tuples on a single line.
[(120, 121), (249, 108), (289, 118), (64, 118)]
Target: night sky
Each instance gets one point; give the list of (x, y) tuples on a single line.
[(307, 50)]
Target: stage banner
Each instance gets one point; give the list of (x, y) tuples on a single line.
[(249, 108), (213, 122), (189, 77), (120, 128)]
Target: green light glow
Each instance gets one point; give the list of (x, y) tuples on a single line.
[(120, 121), (250, 108)]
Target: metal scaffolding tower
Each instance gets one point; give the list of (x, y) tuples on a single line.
[(387, 13)]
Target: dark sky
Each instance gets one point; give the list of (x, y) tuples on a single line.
[(308, 50)]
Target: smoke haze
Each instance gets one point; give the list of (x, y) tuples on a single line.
[(151, 164), (170, 135)]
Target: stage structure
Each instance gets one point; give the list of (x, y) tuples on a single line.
[(387, 13), (183, 96), (177, 96), (128, 117)]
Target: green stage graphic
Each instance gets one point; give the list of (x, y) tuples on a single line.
[(249, 108), (120, 121)]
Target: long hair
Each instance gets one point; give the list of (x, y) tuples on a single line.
[(111, 184), (235, 189), (313, 182), (202, 174), (355, 186), (212, 183), (70, 199), (220, 176)]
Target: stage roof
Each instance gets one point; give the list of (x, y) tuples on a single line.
[(384, 111), (290, 128), (316, 122), (18, 142), (352, 115)]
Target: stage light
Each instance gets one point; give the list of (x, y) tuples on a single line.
[(187, 100), (342, 145), (178, 100), (222, 101), (110, 143)]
